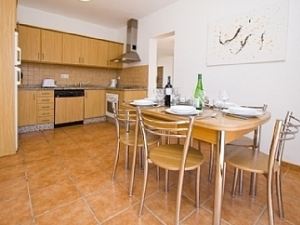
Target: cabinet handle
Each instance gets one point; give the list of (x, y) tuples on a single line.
[(45, 107)]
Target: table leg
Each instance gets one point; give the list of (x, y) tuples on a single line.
[(136, 134), (219, 178), (256, 147)]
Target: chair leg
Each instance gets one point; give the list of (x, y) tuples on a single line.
[(211, 163), (224, 177), (178, 198), (126, 157), (141, 157), (157, 173), (235, 178), (241, 182), (144, 188), (279, 194), (116, 159), (270, 202), (253, 184), (166, 180), (198, 187)]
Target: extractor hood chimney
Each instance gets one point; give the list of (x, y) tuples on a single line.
[(130, 55)]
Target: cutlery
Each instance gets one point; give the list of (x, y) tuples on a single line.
[(237, 116)]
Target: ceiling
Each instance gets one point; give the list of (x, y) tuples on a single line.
[(108, 13)]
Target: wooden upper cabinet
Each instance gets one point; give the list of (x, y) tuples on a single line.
[(114, 51), (71, 49), (30, 43), (102, 53), (51, 46)]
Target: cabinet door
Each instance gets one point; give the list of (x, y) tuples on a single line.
[(88, 51), (30, 43), (102, 53), (26, 107), (94, 105), (114, 50), (68, 110), (51, 46), (71, 49)]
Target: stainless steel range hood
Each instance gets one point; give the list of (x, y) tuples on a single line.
[(130, 55)]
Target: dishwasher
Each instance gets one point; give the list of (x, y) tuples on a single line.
[(69, 106)]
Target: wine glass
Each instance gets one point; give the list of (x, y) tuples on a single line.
[(176, 96), (160, 95), (223, 97)]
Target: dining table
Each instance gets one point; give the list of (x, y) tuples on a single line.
[(212, 126)]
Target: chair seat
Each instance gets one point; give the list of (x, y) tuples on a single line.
[(249, 160), (170, 156), (128, 139)]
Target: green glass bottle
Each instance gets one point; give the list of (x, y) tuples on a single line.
[(199, 94)]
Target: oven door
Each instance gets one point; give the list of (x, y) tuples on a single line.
[(111, 101)]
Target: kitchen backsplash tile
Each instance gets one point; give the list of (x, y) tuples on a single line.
[(34, 73), (134, 76)]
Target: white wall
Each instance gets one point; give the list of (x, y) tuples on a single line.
[(167, 63), (274, 83), (44, 19)]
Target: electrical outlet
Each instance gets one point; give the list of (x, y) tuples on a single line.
[(64, 76)]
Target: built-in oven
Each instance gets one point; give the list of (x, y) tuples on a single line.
[(112, 100)]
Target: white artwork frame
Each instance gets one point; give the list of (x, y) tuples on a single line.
[(257, 36)]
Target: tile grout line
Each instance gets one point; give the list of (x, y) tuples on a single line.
[(29, 196), (156, 216), (260, 215)]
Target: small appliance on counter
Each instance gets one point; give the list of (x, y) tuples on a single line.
[(113, 83), (49, 83)]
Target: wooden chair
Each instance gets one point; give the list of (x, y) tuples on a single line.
[(174, 157), (125, 118), (245, 159)]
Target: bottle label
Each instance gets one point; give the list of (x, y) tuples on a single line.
[(168, 91)]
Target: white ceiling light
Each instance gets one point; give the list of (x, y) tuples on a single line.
[(85, 0)]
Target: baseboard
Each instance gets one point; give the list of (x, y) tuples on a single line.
[(291, 166)]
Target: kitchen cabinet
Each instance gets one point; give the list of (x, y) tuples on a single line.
[(40, 45), (8, 133), (27, 114), (30, 42), (51, 46), (129, 95), (94, 103), (45, 107), (68, 109), (72, 49), (114, 51)]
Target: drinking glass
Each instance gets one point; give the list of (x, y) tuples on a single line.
[(176, 96), (160, 95), (223, 97)]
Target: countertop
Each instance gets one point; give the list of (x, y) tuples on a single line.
[(88, 87)]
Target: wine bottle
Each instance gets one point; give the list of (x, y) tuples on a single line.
[(168, 92), (199, 94)]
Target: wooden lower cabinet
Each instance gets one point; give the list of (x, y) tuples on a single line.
[(45, 107), (27, 113), (94, 103), (68, 109)]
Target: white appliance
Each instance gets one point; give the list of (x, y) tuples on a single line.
[(112, 101), (48, 83), (17, 78)]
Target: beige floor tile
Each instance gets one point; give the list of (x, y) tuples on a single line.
[(13, 188), (15, 211), (53, 196), (110, 201), (130, 216), (201, 217), (74, 213)]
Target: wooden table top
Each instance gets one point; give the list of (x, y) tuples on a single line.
[(212, 121)]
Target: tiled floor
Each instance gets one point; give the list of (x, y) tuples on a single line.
[(63, 176)]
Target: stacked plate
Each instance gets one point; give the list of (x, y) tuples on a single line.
[(141, 102), (183, 110), (244, 111)]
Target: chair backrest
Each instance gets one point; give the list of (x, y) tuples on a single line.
[(287, 130), (177, 129), (123, 116)]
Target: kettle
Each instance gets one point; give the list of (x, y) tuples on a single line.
[(113, 83)]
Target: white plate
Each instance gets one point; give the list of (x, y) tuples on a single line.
[(221, 104), (195, 112), (142, 102), (183, 109), (243, 111)]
